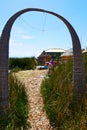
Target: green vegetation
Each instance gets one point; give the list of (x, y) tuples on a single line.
[(85, 64), (57, 91), (16, 118), (17, 115), (16, 64)]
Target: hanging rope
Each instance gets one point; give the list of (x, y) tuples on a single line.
[(31, 26), (37, 28)]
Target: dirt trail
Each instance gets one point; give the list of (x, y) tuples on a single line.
[(32, 80)]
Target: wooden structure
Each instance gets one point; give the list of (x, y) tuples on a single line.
[(43, 58), (66, 56), (55, 53), (78, 66)]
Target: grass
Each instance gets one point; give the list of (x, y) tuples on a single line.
[(16, 118), (58, 99)]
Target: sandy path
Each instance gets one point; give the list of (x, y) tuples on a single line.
[(32, 80)]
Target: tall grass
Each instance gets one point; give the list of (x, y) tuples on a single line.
[(57, 93), (18, 108)]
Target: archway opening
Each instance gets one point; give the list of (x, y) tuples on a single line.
[(31, 36)]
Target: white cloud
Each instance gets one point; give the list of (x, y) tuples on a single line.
[(20, 33), (14, 43), (26, 37)]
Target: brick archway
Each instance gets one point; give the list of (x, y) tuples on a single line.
[(78, 67)]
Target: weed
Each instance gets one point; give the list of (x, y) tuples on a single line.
[(57, 93), (16, 117)]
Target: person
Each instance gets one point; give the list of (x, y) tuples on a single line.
[(50, 66)]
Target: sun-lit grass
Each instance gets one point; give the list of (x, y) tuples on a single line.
[(58, 99), (18, 104), (17, 115)]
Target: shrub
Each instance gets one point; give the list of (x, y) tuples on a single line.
[(22, 63), (58, 100), (18, 104), (16, 118)]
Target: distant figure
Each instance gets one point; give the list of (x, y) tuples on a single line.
[(50, 66)]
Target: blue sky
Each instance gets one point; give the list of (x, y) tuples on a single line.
[(34, 32)]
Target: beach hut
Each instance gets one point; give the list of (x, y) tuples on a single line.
[(55, 53), (66, 55), (43, 58)]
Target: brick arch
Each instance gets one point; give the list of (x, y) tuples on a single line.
[(78, 67)]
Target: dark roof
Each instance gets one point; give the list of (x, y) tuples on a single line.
[(44, 54)]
